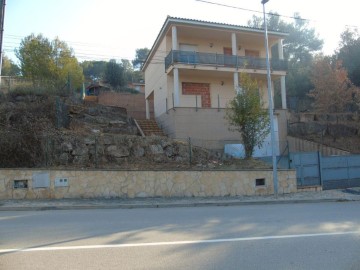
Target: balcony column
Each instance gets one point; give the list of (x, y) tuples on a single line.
[(236, 82), (174, 38), (176, 88), (147, 107), (176, 70), (282, 79), (234, 52)]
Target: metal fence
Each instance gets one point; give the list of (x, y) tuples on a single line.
[(64, 148), (68, 149), (222, 60), (330, 172)]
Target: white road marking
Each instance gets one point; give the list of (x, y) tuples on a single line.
[(176, 242)]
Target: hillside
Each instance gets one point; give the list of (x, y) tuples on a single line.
[(335, 130), (45, 131)]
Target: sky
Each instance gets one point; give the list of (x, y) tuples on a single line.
[(105, 29)]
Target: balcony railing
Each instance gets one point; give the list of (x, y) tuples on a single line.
[(222, 60)]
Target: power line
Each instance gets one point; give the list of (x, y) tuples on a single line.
[(252, 10), (268, 13)]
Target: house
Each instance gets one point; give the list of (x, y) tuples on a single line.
[(94, 89), (138, 86), (192, 72)]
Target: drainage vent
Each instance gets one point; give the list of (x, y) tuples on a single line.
[(260, 182)]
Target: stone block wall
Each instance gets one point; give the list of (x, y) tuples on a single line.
[(136, 184), (134, 103)]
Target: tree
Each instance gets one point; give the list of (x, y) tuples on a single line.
[(94, 70), (349, 54), (140, 57), (35, 56), (299, 48), (333, 91), (245, 114), (50, 62), (128, 70), (302, 41), (66, 64), (9, 68), (114, 74)]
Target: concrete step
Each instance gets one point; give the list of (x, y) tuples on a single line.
[(150, 127)]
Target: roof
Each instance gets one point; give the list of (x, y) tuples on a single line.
[(97, 85), (182, 21)]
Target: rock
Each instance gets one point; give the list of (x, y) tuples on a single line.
[(66, 147), (183, 150), (81, 160), (139, 151), (20, 98), (88, 141), (98, 151), (165, 143), (169, 151), (118, 152), (159, 158), (107, 140), (64, 159), (80, 151), (211, 165), (156, 149), (117, 123), (95, 131)]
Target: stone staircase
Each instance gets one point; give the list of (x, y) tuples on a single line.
[(149, 127)]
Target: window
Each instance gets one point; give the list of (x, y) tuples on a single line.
[(188, 47)]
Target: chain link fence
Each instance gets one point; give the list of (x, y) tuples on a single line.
[(68, 150)]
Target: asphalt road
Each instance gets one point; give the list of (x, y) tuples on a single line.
[(285, 236)]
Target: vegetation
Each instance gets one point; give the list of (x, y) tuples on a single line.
[(300, 46), (114, 74), (246, 114), (349, 54), (333, 91), (140, 57), (9, 68), (94, 70), (48, 62), (105, 71), (52, 64)]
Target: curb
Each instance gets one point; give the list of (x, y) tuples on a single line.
[(166, 205)]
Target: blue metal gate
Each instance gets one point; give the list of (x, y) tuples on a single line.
[(331, 172), (307, 167), (340, 171)]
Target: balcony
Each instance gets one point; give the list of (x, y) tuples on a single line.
[(222, 60)]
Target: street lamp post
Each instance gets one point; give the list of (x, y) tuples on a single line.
[(271, 114)]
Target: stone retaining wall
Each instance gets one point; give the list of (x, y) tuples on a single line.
[(46, 184)]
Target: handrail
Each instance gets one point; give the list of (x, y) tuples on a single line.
[(139, 128), (214, 59)]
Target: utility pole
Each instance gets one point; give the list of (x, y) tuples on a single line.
[(271, 113), (2, 19)]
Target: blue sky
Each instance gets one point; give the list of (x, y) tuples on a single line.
[(104, 29)]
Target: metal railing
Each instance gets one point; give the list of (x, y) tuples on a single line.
[(222, 60), (219, 105)]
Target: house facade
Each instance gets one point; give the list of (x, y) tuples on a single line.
[(193, 71)]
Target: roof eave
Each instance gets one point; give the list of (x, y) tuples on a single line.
[(170, 20)]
